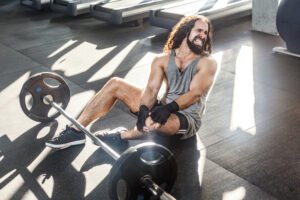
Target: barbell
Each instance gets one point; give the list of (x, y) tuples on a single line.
[(146, 171)]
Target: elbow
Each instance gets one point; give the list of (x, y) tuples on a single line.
[(196, 99)]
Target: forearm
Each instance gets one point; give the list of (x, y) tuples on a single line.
[(147, 101), (187, 99), (149, 97)]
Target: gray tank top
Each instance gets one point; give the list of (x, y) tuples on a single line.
[(179, 83)]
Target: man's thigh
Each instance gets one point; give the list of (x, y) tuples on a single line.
[(130, 94), (172, 126)]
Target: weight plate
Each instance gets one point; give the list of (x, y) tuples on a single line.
[(37, 87), (148, 159)]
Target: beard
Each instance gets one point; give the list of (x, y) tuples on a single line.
[(196, 49)]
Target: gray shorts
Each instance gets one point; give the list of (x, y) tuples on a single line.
[(188, 125)]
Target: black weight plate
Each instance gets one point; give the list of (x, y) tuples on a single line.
[(136, 162), (38, 86)]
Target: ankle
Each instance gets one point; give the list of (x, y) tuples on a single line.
[(77, 130), (130, 134), (123, 134)]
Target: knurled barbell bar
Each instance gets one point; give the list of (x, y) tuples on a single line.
[(142, 172)]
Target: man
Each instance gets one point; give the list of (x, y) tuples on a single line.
[(189, 72)]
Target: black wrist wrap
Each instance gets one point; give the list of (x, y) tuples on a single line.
[(144, 109), (142, 115), (172, 107)]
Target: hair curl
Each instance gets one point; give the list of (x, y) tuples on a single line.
[(183, 28)]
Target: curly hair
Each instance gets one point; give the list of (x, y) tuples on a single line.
[(183, 28)]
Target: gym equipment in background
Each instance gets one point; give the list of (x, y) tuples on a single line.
[(288, 26)]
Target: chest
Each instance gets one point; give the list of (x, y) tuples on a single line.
[(183, 63)]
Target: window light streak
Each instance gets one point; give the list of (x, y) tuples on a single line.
[(47, 184), (84, 155), (109, 68), (31, 167), (201, 161), (43, 132), (29, 194), (237, 194), (6, 176), (139, 75), (11, 188), (10, 99), (218, 58), (94, 175), (63, 47), (80, 59), (92, 180), (15, 86), (79, 100), (242, 115)]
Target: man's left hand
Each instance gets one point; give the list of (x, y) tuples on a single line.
[(160, 114)]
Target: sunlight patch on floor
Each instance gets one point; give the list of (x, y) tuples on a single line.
[(139, 75), (237, 194), (15, 182), (46, 183), (7, 96), (110, 67), (62, 48), (31, 167), (242, 115), (80, 59), (95, 176), (88, 165), (201, 161)]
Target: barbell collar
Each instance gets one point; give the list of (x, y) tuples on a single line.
[(96, 140), (47, 99), (155, 189)]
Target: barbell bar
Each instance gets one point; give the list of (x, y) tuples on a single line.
[(155, 189), (97, 141), (153, 162)]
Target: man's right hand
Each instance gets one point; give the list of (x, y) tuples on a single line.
[(143, 114), (150, 125)]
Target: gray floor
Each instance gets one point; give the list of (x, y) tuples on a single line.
[(248, 146)]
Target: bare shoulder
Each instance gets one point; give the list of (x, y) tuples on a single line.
[(207, 63), (161, 59)]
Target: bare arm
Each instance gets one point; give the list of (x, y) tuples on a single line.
[(200, 84), (154, 83)]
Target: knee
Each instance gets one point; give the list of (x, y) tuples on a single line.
[(114, 83)]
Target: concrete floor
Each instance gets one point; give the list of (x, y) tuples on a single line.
[(248, 146)]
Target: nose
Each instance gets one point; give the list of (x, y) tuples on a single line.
[(202, 35)]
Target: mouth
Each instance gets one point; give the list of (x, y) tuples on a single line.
[(198, 41)]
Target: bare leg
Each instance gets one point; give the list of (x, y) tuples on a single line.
[(171, 126), (103, 101), (119, 89)]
